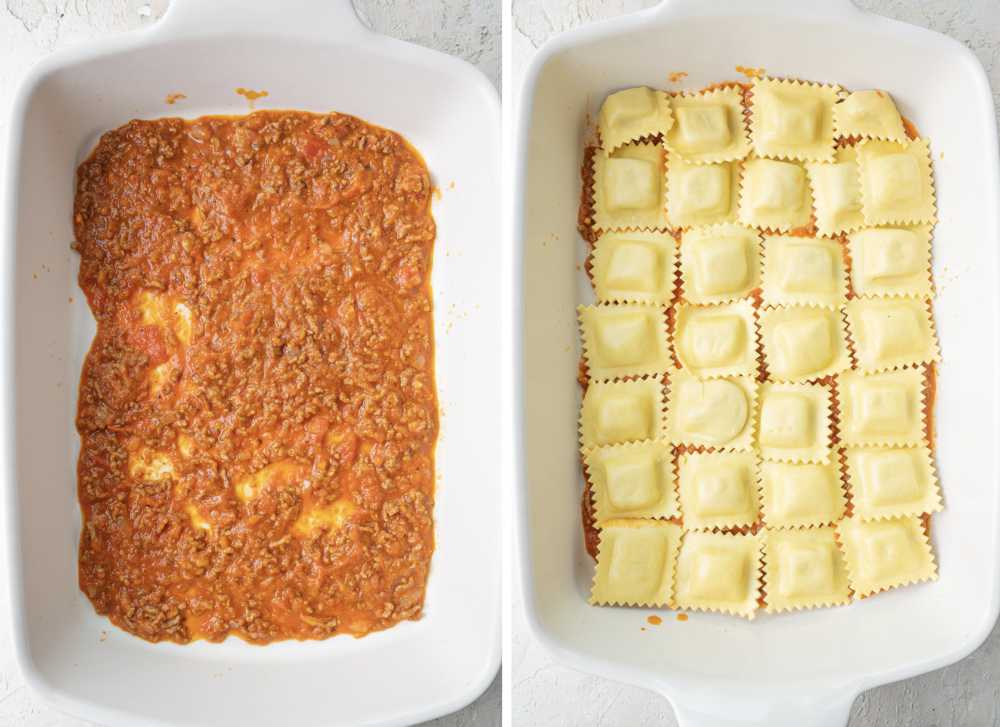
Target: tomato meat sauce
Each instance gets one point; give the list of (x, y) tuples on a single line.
[(258, 410)]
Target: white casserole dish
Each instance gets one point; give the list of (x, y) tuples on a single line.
[(313, 56), (803, 668)]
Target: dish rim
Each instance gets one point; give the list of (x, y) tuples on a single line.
[(661, 15), (173, 26)]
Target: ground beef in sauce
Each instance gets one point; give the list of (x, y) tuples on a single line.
[(257, 411)]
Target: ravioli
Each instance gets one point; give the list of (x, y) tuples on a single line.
[(635, 563)]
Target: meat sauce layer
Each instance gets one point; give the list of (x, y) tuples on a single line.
[(258, 409)]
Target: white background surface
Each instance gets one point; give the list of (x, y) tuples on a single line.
[(547, 694), (30, 29)]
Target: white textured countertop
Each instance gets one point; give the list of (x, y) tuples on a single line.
[(30, 29), (546, 694)]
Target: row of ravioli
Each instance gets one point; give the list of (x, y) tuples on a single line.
[(783, 119), (724, 490), (799, 343), (873, 183), (865, 171), (657, 563), (722, 263)]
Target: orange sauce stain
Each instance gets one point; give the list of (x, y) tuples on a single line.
[(750, 72), (251, 96), (677, 76), (173, 98), (910, 128), (682, 617), (654, 620)]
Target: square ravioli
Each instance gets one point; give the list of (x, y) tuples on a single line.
[(891, 261), (629, 115), (774, 195), (624, 340), (719, 264), (885, 554), (718, 490), (881, 409), (897, 184), (803, 344), (836, 193), (709, 127), (617, 412), (891, 482), (632, 481), (718, 413), (803, 271), (795, 495), (869, 114), (889, 333), (716, 340), (792, 120), (804, 569), (701, 194), (637, 267), (630, 189), (794, 422), (719, 572), (635, 563)]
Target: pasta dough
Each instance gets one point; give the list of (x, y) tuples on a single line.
[(837, 193), (803, 344), (803, 270), (635, 563), (717, 340), (888, 334), (896, 182), (701, 194), (794, 422), (804, 569), (719, 572), (616, 412), (635, 267), (629, 115), (716, 413), (801, 495), (629, 189), (881, 409), (624, 340), (718, 490), (891, 261), (886, 553), (719, 264), (774, 195), (709, 127), (869, 114), (633, 480), (792, 120), (892, 482)]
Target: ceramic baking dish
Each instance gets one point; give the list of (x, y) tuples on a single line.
[(307, 55), (803, 668)]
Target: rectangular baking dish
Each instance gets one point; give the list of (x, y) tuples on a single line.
[(312, 56), (803, 668)]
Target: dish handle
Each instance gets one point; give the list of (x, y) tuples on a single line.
[(327, 20), (798, 710)]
